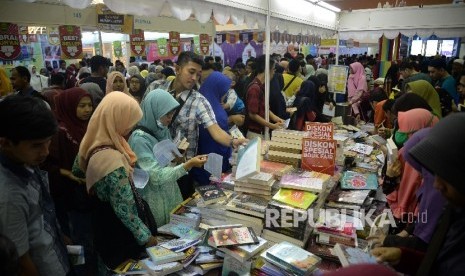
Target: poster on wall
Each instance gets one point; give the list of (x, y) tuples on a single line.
[(107, 20), (98, 49), (162, 47), (53, 36), (174, 43), (23, 34), (10, 47), (137, 43), (204, 42), (337, 78), (71, 44), (117, 49)]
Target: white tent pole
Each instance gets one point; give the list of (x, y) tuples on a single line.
[(267, 71)]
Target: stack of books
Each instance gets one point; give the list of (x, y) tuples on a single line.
[(275, 168), (286, 146), (259, 184), (288, 218), (291, 258)]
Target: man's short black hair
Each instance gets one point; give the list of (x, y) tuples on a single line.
[(83, 63), (29, 118), (97, 61), (23, 72), (208, 58), (438, 63), (408, 65), (57, 79), (217, 59), (388, 104), (62, 61), (185, 57), (260, 64), (168, 62), (410, 101), (207, 66), (294, 66), (239, 66)]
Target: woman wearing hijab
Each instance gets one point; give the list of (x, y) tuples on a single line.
[(5, 84), (306, 102), (94, 90), (214, 88), (116, 82), (357, 89), (120, 219), (162, 192), (133, 70), (137, 87), (70, 74), (402, 200), (73, 109), (38, 82), (425, 90)]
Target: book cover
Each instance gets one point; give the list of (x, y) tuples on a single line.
[(350, 256), (297, 259), (275, 168), (319, 155), (301, 182), (296, 198), (210, 193), (163, 269), (261, 178), (250, 202), (179, 245), (329, 239), (265, 187), (160, 255), (187, 232), (207, 257), (252, 190), (357, 197), (231, 266), (130, 267), (361, 181), (248, 159), (189, 256), (234, 236)]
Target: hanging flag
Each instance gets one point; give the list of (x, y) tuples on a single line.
[(174, 43), (71, 44), (98, 49), (53, 36), (10, 47), (162, 47), (137, 42), (117, 49), (24, 34), (197, 45), (204, 44)]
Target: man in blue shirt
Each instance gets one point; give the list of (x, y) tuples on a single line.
[(442, 78)]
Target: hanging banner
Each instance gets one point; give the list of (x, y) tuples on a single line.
[(117, 49), (107, 20), (98, 49), (137, 42), (204, 44), (23, 34), (319, 155), (162, 47), (71, 44), (10, 47), (196, 45), (337, 78), (174, 43), (53, 36)]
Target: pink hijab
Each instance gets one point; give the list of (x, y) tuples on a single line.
[(114, 117), (357, 81), (404, 200)]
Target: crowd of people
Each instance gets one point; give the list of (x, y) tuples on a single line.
[(70, 144)]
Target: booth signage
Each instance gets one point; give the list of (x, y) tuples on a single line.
[(24, 34), (174, 43), (71, 44), (53, 36), (137, 42), (117, 48), (107, 20), (319, 155), (162, 47), (319, 130), (10, 47), (204, 44)]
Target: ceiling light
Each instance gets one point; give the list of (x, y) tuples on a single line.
[(328, 6)]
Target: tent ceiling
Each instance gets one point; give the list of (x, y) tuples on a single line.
[(372, 4)]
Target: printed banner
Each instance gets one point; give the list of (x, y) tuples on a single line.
[(98, 49), (137, 42), (53, 36), (204, 44), (337, 78), (24, 34), (162, 47), (107, 20), (174, 43), (319, 130), (10, 47), (71, 44), (197, 45), (319, 155), (117, 49)]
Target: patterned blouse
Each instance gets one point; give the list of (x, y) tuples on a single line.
[(115, 189)]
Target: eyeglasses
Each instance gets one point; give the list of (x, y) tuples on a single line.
[(134, 81)]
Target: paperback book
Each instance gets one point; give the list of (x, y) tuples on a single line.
[(296, 198), (234, 236), (359, 181), (350, 256), (160, 255), (211, 194), (179, 245)]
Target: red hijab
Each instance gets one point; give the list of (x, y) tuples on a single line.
[(66, 106)]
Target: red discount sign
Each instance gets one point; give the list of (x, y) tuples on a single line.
[(10, 47), (204, 44), (319, 130), (70, 40), (319, 155), (137, 41), (174, 43)]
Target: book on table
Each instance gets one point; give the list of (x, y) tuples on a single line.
[(350, 256), (211, 193), (160, 255), (296, 198), (159, 270), (359, 181), (234, 236), (248, 159)]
